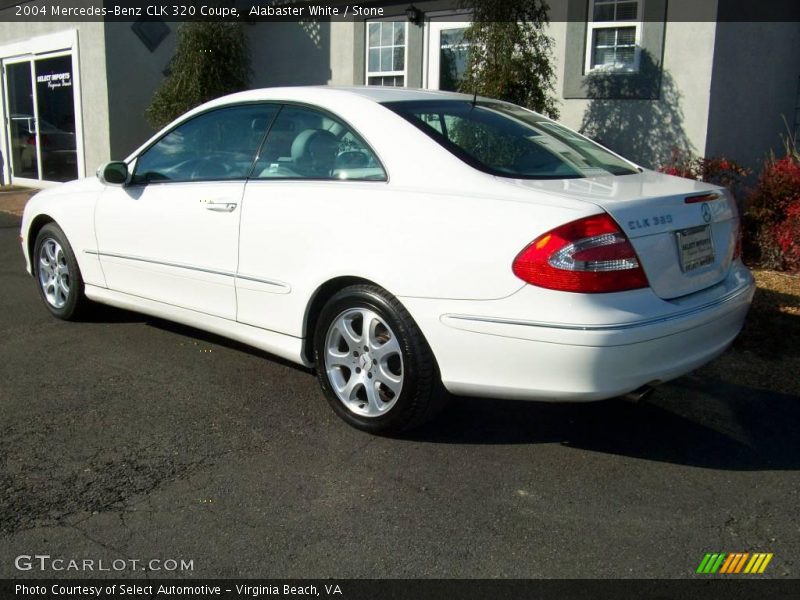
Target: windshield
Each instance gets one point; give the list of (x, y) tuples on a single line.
[(509, 141)]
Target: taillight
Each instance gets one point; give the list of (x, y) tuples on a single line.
[(590, 255)]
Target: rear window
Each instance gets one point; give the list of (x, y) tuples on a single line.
[(509, 141)]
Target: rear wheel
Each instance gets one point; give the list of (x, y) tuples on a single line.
[(57, 274), (375, 367)]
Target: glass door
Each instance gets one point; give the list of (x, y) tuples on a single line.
[(21, 135), (448, 54), (40, 132)]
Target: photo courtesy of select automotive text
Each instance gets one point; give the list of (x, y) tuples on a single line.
[(402, 299)]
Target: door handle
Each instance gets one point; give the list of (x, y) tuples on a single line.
[(219, 206)]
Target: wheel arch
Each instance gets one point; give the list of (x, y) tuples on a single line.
[(318, 299), (38, 222)]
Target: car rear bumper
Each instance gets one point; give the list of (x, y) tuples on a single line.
[(611, 345)]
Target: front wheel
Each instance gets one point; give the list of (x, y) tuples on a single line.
[(57, 274), (373, 363)]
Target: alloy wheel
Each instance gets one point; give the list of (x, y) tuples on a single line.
[(364, 362), (54, 276)]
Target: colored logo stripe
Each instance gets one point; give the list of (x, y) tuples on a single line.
[(720, 562), (711, 563), (731, 560)]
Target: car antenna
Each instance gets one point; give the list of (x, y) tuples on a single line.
[(474, 68), (474, 87)]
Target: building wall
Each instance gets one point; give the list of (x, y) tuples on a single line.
[(756, 84), (342, 49), (93, 84), (644, 117), (292, 53), (282, 54), (643, 129), (133, 73)]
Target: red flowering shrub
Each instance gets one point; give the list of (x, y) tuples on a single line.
[(720, 171), (788, 236), (772, 218)]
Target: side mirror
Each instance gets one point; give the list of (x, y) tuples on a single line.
[(113, 173)]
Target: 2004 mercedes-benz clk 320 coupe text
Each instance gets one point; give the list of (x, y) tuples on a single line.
[(395, 239)]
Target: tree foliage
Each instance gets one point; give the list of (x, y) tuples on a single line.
[(510, 53), (211, 59)]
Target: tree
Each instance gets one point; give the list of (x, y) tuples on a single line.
[(510, 53), (211, 59)]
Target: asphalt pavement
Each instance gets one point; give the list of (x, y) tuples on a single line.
[(127, 438)]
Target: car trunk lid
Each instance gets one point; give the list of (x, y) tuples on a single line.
[(684, 231)]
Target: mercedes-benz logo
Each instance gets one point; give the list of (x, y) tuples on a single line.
[(706, 213)]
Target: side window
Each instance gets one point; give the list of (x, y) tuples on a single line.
[(304, 143), (217, 145)]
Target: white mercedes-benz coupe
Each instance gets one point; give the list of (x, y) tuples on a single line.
[(399, 239)]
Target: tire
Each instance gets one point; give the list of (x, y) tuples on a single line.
[(57, 275), (394, 385)]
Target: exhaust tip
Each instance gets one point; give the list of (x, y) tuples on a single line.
[(639, 394)]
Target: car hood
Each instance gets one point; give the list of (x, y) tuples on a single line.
[(77, 186)]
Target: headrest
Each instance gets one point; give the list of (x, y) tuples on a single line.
[(315, 150)]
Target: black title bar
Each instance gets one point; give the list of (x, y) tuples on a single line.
[(251, 11), (712, 588)]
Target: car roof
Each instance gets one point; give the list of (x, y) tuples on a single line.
[(397, 94), (325, 96), (375, 93)]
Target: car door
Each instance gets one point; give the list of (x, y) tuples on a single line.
[(172, 234), (313, 171)]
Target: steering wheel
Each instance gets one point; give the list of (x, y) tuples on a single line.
[(207, 168), (351, 159)]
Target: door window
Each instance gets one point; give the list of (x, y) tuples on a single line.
[(304, 143), (21, 121), (448, 54), (214, 146), (453, 58), (56, 118)]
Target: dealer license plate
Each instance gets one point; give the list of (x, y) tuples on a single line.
[(695, 247)]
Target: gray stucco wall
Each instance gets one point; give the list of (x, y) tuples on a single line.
[(94, 99), (133, 73), (290, 53), (646, 130), (643, 85), (282, 54), (754, 86)]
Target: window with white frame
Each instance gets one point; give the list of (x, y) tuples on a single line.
[(614, 35), (386, 53)]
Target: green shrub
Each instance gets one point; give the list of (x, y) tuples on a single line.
[(211, 59), (510, 54)]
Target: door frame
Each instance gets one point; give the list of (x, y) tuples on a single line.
[(64, 43)]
